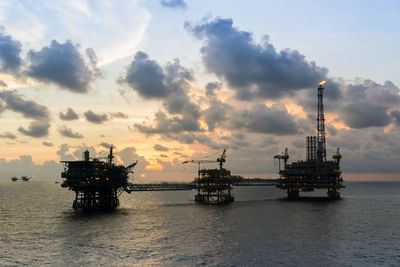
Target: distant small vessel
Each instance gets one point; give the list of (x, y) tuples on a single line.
[(25, 178), (14, 179)]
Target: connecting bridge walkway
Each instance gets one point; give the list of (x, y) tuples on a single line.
[(191, 186)]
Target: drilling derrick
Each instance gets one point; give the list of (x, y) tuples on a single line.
[(213, 185), (321, 125), (316, 172), (97, 184)]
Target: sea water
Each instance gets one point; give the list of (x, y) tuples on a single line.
[(38, 227)]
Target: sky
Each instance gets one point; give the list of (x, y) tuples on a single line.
[(165, 81)]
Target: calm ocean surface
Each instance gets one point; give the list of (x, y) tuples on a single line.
[(38, 227)]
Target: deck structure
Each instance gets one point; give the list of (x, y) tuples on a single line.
[(97, 184)]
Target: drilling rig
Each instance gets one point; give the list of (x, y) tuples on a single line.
[(213, 185), (316, 172)]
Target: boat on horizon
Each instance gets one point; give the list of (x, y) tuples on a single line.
[(25, 178), (14, 179)]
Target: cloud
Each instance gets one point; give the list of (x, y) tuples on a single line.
[(367, 150), (151, 81), (106, 145), (10, 50), (12, 100), (212, 87), (267, 120), (128, 156), (174, 3), (191, 138), (47, 144), (91, 54), (95, 118), (3, 84), (36, 129), (160, 147), (170, 85), (63, 65), (364, 114), (163, 124), (216, 114), (396, 116), (368, 104), (8, 135), (49, 170), (28, 108), (253, 69), (69, 115), (63, 153), (118, 115), (67, 132)]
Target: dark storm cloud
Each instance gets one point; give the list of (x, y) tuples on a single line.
[(160, 147), (28, 108), (69, 115), (2, 84), (62, 64), (67, 132), (174, 3), (263, 119), (8, 135), (151, 81), (10, 50), (47, 144), (95, 118), (253, 69), (36, 129)]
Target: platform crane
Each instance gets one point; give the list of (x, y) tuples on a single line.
[(285, 158), (220, 160)]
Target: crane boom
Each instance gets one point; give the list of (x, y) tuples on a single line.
[(221, 160)]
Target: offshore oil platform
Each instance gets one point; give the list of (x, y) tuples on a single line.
[(98, 184), (316, 172), (213, 185)]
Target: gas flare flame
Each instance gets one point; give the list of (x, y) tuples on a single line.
[(322, 83)]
